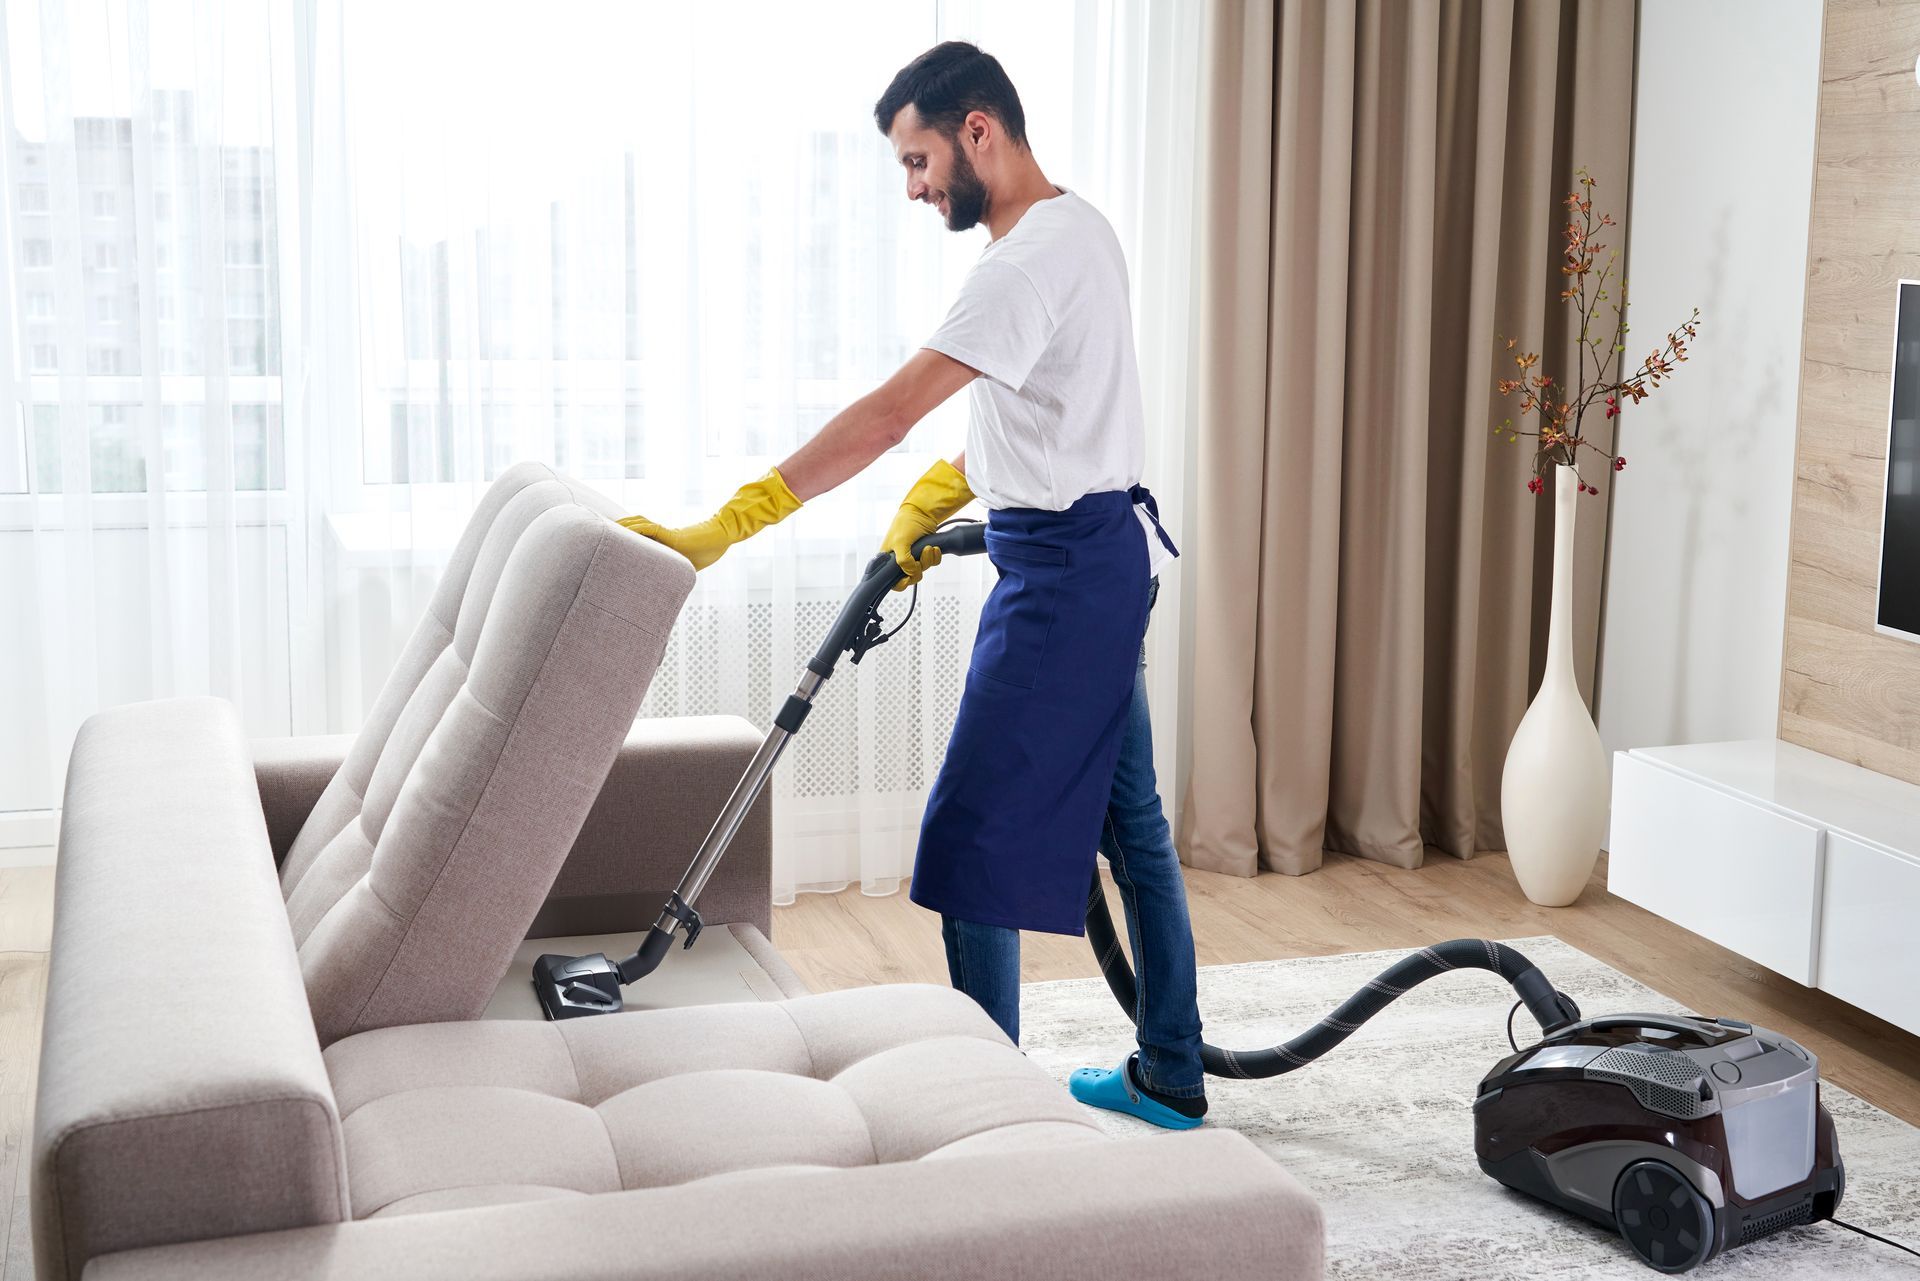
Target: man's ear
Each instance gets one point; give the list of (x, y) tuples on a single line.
[(978, 127)]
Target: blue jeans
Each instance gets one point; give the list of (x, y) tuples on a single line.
[(984, 960)]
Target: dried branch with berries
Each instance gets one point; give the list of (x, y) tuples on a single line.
[(1560, 428)]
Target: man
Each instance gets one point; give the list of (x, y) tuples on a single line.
[(1052, 751)]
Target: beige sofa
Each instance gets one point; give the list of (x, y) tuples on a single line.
[(289, 1031)]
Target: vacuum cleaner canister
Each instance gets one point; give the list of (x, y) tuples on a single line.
[(1687, 1136)]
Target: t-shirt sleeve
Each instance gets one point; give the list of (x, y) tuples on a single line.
[(999, 324)]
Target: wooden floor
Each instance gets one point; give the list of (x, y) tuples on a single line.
[(1353, 905), (1350, 905)]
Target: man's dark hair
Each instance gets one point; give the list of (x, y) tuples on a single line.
[(947, 82)]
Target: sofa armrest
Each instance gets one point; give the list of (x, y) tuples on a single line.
[(291, 773), (182, 1095), (1205, 1204), (666, 787)]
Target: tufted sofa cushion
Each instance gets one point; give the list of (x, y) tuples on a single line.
[(428, 855), (454, 1115)]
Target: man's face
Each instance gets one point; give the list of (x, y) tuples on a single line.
[(938, 171)]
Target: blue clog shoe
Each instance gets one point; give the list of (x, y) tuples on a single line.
[(1114, 1089)]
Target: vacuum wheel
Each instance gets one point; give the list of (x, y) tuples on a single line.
[(1663, 1217)]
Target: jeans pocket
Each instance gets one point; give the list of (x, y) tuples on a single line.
[(1011, 645)]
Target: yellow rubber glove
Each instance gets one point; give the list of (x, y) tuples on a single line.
[(934, 497), (763, 502)]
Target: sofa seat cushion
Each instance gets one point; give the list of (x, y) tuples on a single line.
[(454, 1115)]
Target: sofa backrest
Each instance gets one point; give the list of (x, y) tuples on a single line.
[(425, 860), (182, 1094)]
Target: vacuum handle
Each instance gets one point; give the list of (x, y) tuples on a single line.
[(882, 572), (1657, 1022), (969, 539)]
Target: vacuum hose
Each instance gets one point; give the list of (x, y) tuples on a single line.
[(1551, 1009)]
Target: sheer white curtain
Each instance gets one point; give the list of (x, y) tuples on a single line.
[(655, 246), (144, 496)]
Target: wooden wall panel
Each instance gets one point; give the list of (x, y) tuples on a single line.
[(1846, 690)]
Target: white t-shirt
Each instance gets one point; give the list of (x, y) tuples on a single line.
[(1044, 316)]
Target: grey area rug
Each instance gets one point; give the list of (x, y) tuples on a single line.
[(1381, 1133)]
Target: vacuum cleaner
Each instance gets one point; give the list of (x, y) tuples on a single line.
[(1687, 1136)]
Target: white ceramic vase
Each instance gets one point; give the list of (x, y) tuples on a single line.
[(1553, 792)]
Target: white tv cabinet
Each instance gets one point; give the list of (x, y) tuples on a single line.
[(1801, 862)]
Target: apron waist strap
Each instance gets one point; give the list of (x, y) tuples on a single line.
[(1143, 498)]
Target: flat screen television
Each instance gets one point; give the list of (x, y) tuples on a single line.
[(1898, 610)]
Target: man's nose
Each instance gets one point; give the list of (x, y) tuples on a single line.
[(916, 189)]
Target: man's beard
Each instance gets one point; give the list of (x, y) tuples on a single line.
[(966, 194)]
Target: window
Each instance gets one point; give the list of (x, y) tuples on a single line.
[(259, 449), (37, 252), (416, 449), (33, 197), (46, 358), (243, 205), (104, 204), (103, 360), (594, 314), (106, 309), (40, 304), (162, 200), (117, 455), (244, 251), (106, 256)]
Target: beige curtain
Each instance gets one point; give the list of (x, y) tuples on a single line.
[(1380, 196)]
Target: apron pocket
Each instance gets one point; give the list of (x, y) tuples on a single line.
[(1018, 615)]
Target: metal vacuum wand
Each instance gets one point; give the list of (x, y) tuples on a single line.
[(678, 909), (571, 986)]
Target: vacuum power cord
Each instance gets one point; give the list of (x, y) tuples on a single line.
[(1841, 1223)]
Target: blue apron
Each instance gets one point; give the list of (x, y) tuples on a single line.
[(1014, 819)]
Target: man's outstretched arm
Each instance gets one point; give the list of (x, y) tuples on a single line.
[(853, 438), (873, 424)]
